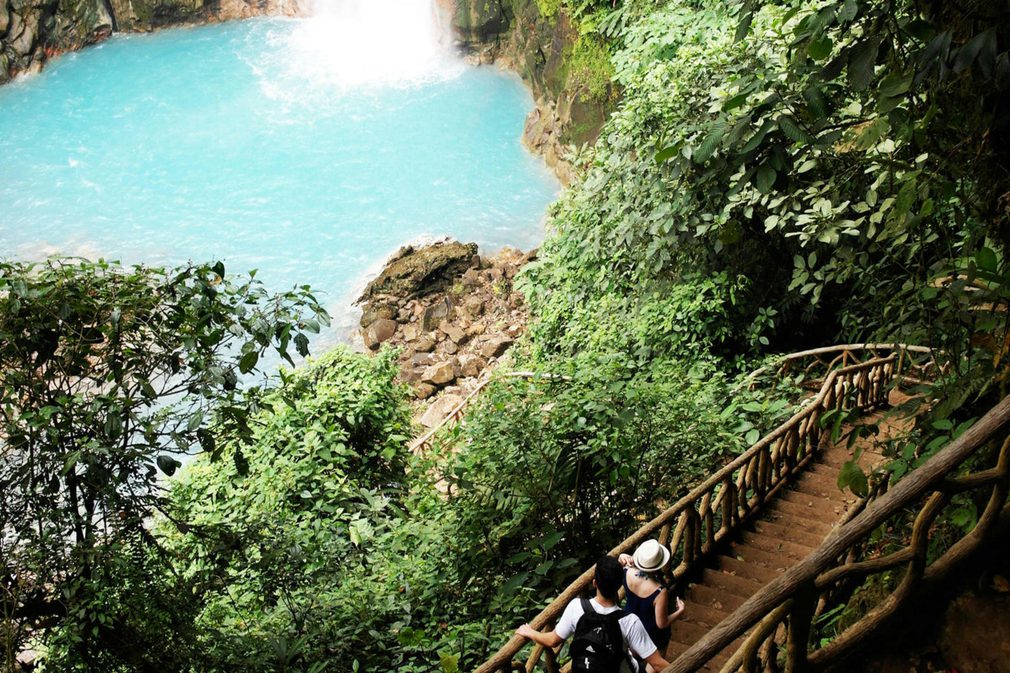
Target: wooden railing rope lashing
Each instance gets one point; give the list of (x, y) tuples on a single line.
[(717, 508)]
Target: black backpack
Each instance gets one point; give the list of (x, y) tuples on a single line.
[(598, 644)]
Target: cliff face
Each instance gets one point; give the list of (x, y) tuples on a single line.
[(544, 51), (33, 30)]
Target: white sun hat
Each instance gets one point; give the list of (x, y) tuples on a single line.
[(651, 556)]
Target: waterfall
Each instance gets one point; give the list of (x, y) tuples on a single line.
[(373, 43)]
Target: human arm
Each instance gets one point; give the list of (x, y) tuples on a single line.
[(626, 560), (662, 606), (547, 639), (656, 661)]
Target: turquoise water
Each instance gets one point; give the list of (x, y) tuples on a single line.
[(232, 142)]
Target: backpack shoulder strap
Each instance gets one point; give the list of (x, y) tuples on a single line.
[(587, 607)]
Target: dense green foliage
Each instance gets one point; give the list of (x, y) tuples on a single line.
[(293, 558), (776, 175), (106, 374)]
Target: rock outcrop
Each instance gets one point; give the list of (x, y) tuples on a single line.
[(32, 31), (514, 34), (453, 313)]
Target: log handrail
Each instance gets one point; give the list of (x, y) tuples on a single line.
[(822, 569), (761, 470)]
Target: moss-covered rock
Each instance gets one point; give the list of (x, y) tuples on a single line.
[(569, 73), (414, 272)]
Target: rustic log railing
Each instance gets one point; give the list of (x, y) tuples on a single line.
[(786, 611), (859, 377)]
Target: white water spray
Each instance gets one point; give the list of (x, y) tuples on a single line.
[(372, 43)]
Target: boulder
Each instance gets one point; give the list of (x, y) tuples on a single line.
[(471, 365), (471, 278), (440, 373), (424, 344), (414, 272), (457, 335), (373, 312), (436, 313), (422, 359), (474, 306), (379, 331), (423, 391), (449, 347), (439, 409), (495, 346), (410, 332)]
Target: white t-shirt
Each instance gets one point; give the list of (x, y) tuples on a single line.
[(635, 636)]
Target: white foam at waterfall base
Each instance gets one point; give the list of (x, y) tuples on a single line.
[(362, 44)]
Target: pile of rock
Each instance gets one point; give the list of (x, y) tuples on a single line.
[(452, 312)]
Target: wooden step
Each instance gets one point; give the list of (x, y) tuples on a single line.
[(823, 511), (805, 499), (794, 550), (675, 649), (714, 598), (750, 562), (781, 531), (815, 489), (744, 587), (754, 556), (791, 521), (702, 614), (827, 484), (688, 631)]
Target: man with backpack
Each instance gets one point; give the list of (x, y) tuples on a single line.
[(602, 634)]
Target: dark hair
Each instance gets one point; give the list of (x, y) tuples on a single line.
[(609, 577)]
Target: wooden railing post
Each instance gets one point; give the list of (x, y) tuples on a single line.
[(801, 615)]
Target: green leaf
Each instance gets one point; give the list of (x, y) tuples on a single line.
[(816, 102), (668, 152), (510, 587), (743, 28), (448, 662), (970, 51), (862, 59), (765, 178), (985, 259), (820, 48), (302, 344), (168, 464), (734, 102), (848, 11), (793, 130), (248, 362), (708, 147), (195, 421), (851, 476)]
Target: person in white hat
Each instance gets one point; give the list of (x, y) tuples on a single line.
[(645, 594)]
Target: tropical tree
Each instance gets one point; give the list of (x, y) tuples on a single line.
[(108, 376)]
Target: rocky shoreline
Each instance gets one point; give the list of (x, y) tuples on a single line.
[(454, 314), (32, 32)]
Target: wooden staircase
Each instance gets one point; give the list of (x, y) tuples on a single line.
[(791, 527), (740, 539)]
